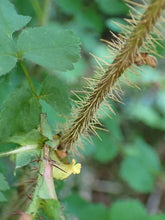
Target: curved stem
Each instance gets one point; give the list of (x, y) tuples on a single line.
[(125, 57), (28, 78)]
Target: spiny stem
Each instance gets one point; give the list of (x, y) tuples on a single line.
[(123, 60), (28, 78)]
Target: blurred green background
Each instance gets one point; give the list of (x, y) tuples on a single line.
[(122, 176)]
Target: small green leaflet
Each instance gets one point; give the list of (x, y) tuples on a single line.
[(49, 47), (10, 21), (3, 187), (55, 93)]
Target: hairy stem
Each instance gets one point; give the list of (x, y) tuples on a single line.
[(28, 78), (124, 59)]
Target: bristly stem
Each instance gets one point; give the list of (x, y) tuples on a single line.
[(123, 60), (28, 78)]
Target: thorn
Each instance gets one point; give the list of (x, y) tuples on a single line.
[(29, 197), (40, 174), (37, 160), (52, 163), (34, 169)]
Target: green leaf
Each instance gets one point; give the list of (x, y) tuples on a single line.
[(141, 166), (10, 21), (136, 175), (128, 210), (55, 93), (3, 187), (7, 54), (32, 137), (49, 47), (3, 183), (114, 24), (5, 147), (54, 119), (147, 115), (70, 6), (104, 150), (19, 113), (112, 7), (90, 18), (87, 211), (22, 159), (44, 126), (2, 197), (94, 211)]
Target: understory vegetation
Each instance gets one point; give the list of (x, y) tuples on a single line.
[(82, 110)]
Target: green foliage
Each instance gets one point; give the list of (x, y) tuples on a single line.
[(32, 137), (12, 23), (129, 151), (22, 159), (94, 211), (105, 149), (7, 60), (52, 209), (3, 187), (140, 167), (113, 7), (20, 116), (128, 210), (49, 47)]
